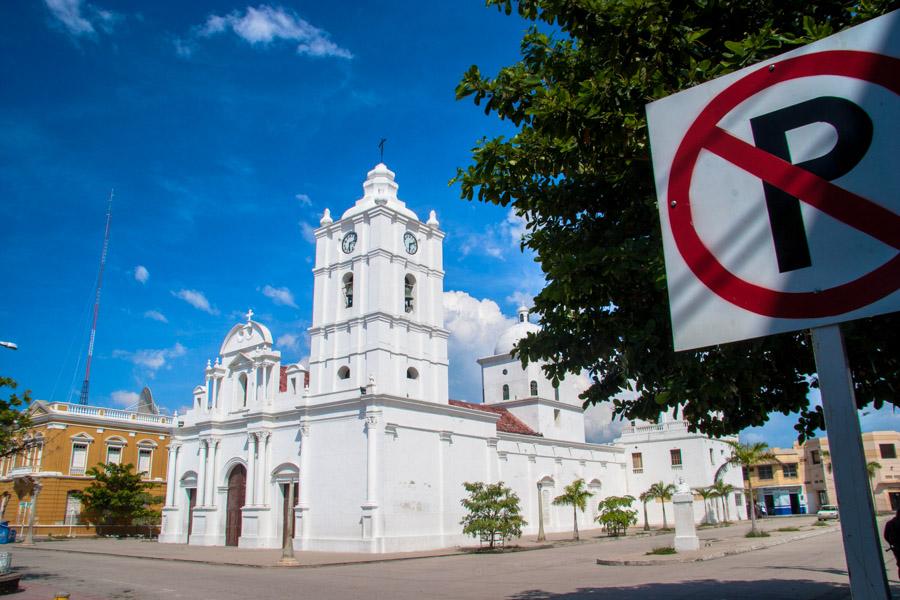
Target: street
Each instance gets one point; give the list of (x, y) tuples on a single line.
[(805, 569)]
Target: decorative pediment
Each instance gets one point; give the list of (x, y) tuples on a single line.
[(241, 361), (199, 390), (245, 336), (82, 437)]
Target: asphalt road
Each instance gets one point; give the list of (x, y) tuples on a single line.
[(800, 570)]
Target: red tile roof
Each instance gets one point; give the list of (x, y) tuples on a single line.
[(282, 380), (508, 422)]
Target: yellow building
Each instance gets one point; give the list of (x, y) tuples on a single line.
[(63, 442), (779, 485), (879, 446)]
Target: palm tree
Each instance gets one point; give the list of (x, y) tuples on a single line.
[(747, 455), (722, 491), (706, 493), (576, 496), (871, 467), (662, 491), (646, 497)]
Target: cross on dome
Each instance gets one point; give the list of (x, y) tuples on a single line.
[(249, 315)]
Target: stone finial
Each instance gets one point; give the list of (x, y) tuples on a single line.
[(208, 364), (326, 218), (217, 361), (432, 219)]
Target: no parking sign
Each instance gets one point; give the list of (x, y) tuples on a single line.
[(778, 190)]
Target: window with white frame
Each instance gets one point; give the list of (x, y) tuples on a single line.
[(114, 455), (73, 509), (637, 462), (145, 461), (79, 458)]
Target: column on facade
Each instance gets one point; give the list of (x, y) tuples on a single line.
[(252, 444), (304, 463), (492, 460), (209, 389), (201, 475), (445, 438), (263, 488), (170, 475), (211, 474), (372, 459)]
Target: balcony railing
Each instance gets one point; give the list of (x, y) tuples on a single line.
[(113, 414), (656, 427), (21, 470)]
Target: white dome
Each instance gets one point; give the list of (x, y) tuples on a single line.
[(511, 336), (379, 188)]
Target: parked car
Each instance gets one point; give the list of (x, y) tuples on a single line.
[(828, 511)]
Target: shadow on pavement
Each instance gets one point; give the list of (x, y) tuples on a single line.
[(707, 589)]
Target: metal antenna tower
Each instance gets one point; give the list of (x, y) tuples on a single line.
[(85, 387)]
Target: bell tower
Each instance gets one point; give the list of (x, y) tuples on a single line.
[(378, 300)]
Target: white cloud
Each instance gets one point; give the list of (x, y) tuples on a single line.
[(197, 300), (303, 199), (141, 274), (289, 341), (151, 360), (281, 296), (124, 398), (497, 239), (81, 18), (474, 327), (520, 298), (156, 316), (183, 48), (308, 232), (264, 25)]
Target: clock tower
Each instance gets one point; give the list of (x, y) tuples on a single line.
[(378, 312)]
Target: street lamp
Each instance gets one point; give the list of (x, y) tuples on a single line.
[(10, 345)]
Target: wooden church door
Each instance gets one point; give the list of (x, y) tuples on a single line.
[(237, 488)]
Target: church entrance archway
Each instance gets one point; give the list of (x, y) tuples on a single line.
[(237, 489), (288, 501)]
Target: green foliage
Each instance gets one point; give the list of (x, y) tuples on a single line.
[(661, 491), (118, 501), (576, 496), (13, 420), (493, 512), (757, 534), (578, 170), (871, 467), (616, 514), (663, 550)]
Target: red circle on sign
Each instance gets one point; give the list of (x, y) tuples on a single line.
[(875, 68)]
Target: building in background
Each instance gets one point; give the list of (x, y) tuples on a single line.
[(879, 446), (63, 442), (666, 451), (779, 485)]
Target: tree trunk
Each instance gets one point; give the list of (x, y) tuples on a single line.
[(575, 516), (752, 508), (725, 508), (665, 523), (646, 523)]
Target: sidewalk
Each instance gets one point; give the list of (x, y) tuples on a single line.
[(627, 550), (718, 542)]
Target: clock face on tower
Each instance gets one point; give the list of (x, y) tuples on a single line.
[(349, 242), (410, 243)]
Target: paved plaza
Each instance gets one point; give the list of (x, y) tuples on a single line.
[(797, 565)]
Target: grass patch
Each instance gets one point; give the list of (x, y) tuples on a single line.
[(662, 550), (757, 534), (820, 524), (788, 529)]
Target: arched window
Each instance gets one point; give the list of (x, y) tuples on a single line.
[(242, 391), (505, 392), (409, 288), (348, 290), (411, 373), (344, 372), (534, 388)]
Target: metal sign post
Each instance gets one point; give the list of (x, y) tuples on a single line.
[(862, 546)]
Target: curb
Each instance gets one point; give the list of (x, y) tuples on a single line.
[(714, 556)]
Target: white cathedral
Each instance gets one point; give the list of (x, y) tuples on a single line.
[(366, 443)]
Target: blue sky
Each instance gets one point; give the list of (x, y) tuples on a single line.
[(226, 129)]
